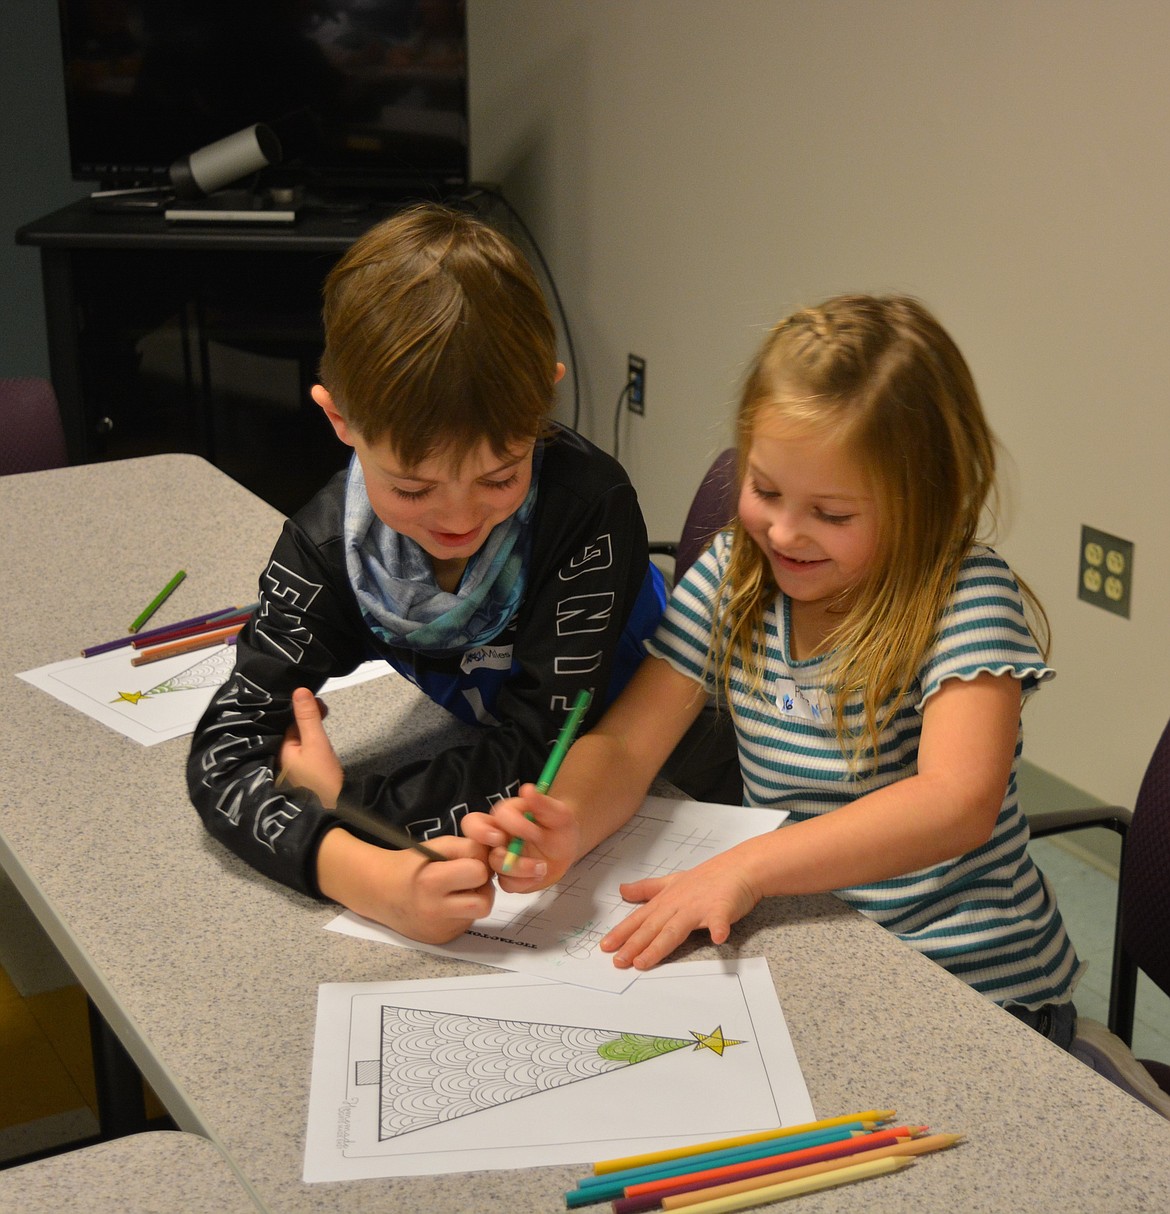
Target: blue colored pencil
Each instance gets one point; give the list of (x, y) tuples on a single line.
[(612, 1185)]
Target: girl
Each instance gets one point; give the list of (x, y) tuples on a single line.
[(874, 657)]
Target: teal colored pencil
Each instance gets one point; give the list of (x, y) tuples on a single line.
[(158, 600), (612, 1185), (553, 764)]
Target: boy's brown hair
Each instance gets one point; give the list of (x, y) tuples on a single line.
[(437, 337)]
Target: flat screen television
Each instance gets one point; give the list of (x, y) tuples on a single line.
[(365, 94)]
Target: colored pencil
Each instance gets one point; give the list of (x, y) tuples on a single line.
[(350, 812), (553, 764), (156, 602), (914, 1146), (178, 631), (723, 1155), (613, 1185), (203, 641), (740, 1140), (796, 1188), (771, 1163), (92, 651), (357, 816)]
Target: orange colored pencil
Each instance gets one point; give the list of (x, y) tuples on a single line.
[(203, 641), (793, 1159), (606, 1166), (913, 1146), (181, 631)]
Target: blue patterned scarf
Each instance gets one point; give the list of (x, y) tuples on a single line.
[(394, 581)]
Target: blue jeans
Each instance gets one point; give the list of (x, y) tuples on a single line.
[(1056, 1021)]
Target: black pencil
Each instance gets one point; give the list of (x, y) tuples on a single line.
[(353, 814)]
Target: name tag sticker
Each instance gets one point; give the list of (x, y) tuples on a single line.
[(805, 704), (487, 657)]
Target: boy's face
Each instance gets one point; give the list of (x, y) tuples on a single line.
[(447, 510), (447, 507)]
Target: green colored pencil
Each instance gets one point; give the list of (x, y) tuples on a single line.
[(158, 600), (552, 766)]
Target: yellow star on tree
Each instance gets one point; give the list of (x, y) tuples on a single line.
[(713, 1041)]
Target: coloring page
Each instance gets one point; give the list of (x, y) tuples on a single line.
[(509, 1071), (158, 701), (554, 933)]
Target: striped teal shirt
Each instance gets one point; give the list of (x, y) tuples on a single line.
[(988, 916)]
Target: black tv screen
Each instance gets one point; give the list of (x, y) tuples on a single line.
[(361, 93)]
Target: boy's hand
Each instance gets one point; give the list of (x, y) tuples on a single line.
[(307, 757), (713, 895), (428, 900), (551, 839)]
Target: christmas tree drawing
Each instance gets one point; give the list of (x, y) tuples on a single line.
[(437, 1066), (208, 671)]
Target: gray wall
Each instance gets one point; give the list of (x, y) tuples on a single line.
[(693, 169), (36, 172)]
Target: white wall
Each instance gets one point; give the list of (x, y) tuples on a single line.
[(694, 169)]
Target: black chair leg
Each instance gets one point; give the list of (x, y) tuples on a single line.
[(121, 1100)]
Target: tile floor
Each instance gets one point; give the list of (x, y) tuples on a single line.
[(47, 1095)]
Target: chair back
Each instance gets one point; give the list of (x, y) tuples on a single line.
[(30, 425), (1145, 871), (712, 508)]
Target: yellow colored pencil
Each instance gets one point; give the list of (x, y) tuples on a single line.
[(912, 1146), (739, 1140), (797, 1188)]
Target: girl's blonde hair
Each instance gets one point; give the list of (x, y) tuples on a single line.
[(883, 378), (437, 337)]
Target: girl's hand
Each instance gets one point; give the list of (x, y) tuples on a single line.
[(551, 839), (428, 900), (307, 757), (713, 895)]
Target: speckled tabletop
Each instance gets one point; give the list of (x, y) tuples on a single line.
[(162, 1173), (209, 972)]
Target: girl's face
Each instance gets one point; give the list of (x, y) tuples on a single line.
[(808, 504)]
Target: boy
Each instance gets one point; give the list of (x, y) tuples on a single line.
[(496, 560)]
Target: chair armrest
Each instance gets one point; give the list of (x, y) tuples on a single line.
[(1056, 821)]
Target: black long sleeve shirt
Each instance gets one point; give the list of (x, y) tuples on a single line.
[(591, 597)]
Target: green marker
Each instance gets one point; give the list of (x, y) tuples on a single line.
[(552, 766)]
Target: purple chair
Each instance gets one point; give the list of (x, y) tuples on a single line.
[(712, 508), (31, 436), (1142, 929), (705, 764)]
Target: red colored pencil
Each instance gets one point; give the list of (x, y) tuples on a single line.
[(670, 1185), (179, 631), (204, 641), (92, 651)]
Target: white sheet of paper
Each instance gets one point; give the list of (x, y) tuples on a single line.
[(510, 1071), (156, 702), (554, 934)]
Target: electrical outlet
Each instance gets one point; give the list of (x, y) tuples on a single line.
[(1106, 571), (636, 384)]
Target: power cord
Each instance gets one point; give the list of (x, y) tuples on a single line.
[(617, 420)]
